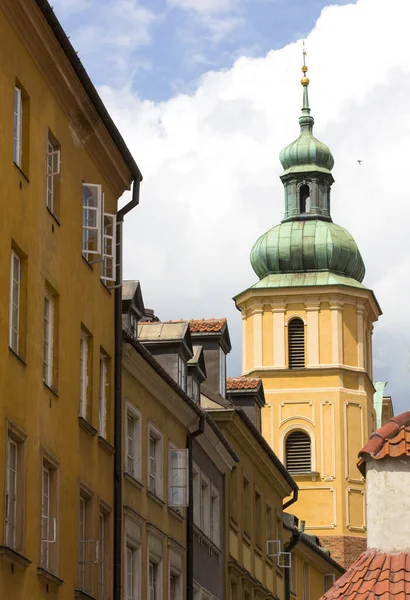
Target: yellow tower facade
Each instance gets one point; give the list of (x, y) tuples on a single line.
[(307, 332)]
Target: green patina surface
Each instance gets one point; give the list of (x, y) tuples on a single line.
[(379, 386), (312, 278)]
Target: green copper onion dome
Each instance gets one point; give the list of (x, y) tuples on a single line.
[(307, 241), (302, 246)]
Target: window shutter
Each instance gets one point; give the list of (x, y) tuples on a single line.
[(296, 344), (298, 452)]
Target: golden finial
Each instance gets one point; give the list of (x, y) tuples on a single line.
[(305, 80)]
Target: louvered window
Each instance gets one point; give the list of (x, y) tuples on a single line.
[(298, 452), (296, 344)]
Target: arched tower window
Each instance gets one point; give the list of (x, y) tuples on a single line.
[(298, 452), (296, 344), (304, 199)]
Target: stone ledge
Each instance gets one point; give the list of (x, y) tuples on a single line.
[(14, 557), (49, 577)]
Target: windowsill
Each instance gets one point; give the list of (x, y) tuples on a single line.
[(279, 572), (203, 538), (156, 498), (107, 289), (83, 595), (234, 525), (105, 444), (53, 216), (87, 263), (258, 550), (246, 537), (174, 512), (49, 577), (136, 482), (87, 427), (14, 557), (21, 171), (293, 594), (18, 356), (269, 560), (307, 475), (50, 389)]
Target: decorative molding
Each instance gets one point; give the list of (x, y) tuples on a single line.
[(331, 489), (325, 390), (279, 359), (296, 427), (349, 490), (257, 337), (312, 334), (346, 439), (287, 402), (337, 331), (332, 475)]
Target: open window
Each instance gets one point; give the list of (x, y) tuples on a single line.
[(108, 264), (304, 199), (92, 210)]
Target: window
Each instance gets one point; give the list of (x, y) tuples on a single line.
[(18, 127), (181, 373), (88, 552), (305, 582), (133, 442), (49, 516), (103, 552), (234, 494), (298, 452), (14, 488), (108, 264), (174, 586), (48, 339), (304, 199), (130, 568), (196, 482), (205, 506), (84, 379), (153, 581), (53, 175), (103, 394), (247, 505), (193, 389), (328, 581), (222, 372), (258, 519), (215, 510), (296, 343), (133, 325), (155, 461), (92, 209), (178, 477), (15, 293), (293, 570), (269, 524)]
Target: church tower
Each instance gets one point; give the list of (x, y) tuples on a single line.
[(307, 332)]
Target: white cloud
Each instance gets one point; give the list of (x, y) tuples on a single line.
[(204, 6), (211, 167)]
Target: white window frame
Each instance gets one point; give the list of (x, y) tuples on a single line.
[(178, 478), (53, 171), (222, 372), (85, 575), (103, 395), (196, 390), (328, 581), (175, 576), (155, 461), (48, 339), (132, 450), (133, 324), (182, 372), (102, 521), (15, 295), (129, 572), (305, 582), (196, 483), (84, 343), (18, 127), (87, 229), (215, 511), (11, 514), (154, 592), (109, 248)]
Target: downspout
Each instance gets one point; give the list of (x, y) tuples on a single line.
[(118, 394), (293, 499), (190, 519), (288, 548)]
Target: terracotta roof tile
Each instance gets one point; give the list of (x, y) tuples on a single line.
[(374, 576), (393, 439), (206, 325), (242, 383)]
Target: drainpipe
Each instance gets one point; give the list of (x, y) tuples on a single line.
[(293, 499), (118, 394), (190, 519)]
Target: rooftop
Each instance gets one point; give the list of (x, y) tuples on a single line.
[(206, 325), (242, 383), (374, 576), (391, 440)]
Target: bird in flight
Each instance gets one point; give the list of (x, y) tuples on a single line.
[(360, 162)]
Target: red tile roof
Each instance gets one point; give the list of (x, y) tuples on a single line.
[(206, 325), (242, 383), (393, 439), (374, 576)]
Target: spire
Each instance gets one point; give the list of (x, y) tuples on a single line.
[(305, 120)]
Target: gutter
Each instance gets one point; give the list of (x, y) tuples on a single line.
[(118, 412), (293, 499), (190, 516)]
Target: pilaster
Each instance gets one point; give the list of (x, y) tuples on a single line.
[(257, 313), (336, 311), (312, 321), (278, 314)]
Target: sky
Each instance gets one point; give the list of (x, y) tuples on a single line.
[(206, 93)]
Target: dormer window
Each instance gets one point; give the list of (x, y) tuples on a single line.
[(222, 372), (304, 199), (133, 324), (181, 373), (193, 389)]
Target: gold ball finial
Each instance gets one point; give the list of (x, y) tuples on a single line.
[(305, 80)]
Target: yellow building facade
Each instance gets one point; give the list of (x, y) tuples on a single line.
[(307, 332), (63, 168)]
